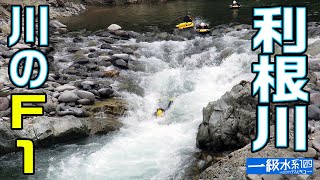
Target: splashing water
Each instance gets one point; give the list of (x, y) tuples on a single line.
[(194, 72)]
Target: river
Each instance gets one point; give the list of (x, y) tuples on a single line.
[(193, 72), (143, 17)]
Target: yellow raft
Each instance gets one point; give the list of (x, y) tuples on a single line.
[(185, 25), (203, 30)]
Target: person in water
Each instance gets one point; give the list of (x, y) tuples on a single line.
[(235, 3), (160, 111), (203, 26), (187, 18)]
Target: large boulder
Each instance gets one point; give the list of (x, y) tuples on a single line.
[(229, 122), (45, 131), (7, 137)]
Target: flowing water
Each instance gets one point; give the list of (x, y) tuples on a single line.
[(165, 16), (193, 72)]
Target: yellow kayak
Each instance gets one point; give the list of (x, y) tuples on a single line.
[(203, 30), (185, 25)]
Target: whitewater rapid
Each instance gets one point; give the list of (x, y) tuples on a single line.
[(193, 72)]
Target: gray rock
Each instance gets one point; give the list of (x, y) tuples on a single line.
[(120, 63), (87, 85), (86, 95), (50, 106), (92, 66), (106, 92), (82, 61), (93, 55), (84, 102), (127, 51), (311, 153), (316, 142), (229, 121), (65, 88), (315, 98), (45, 131), (105, 46), (97, 74), (103, 125), (105, 34), (313, 112), (4, 103), (68, 97), (108, 40)]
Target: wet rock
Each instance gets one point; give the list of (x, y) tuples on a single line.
[(313, 112), (86, 95), (103, 125), (229, 121), (114, 27), (105, 46), (68, 97), (4, 103), (106, 92), (120, 63), (78, 40)]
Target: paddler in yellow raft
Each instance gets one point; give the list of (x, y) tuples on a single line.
[(187, 22), (203, 28)]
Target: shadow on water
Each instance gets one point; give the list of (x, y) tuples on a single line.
[(139, 17)]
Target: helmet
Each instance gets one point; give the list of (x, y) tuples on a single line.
[(202, 24), (160, 113)]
